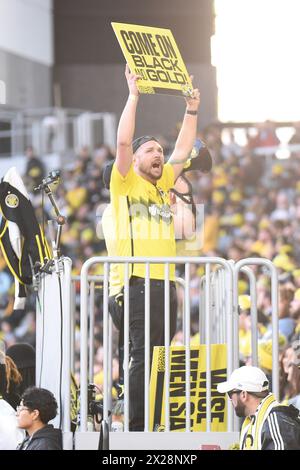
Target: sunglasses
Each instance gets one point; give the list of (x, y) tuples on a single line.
[(232, 392)]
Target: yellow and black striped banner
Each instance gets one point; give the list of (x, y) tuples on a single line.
[(198, 376)]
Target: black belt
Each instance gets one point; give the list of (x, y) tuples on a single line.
[(135, 280)]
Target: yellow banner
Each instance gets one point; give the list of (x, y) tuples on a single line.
[(153, 54), (197, 388)]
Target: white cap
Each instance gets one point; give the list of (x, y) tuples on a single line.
[(247, 378)]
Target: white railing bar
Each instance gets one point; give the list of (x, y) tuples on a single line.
[(208, 347), (147, 347), (274, 303), (105, 342), (187, 350), (126, 347), (253, 309), (91, 331), (167, 346)]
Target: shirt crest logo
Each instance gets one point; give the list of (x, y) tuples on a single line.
[(12, 201)]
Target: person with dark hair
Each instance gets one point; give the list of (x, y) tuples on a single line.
[(267, 425), (140, 186), (10, 379), (23, 355), (10, 434), (38, 406)]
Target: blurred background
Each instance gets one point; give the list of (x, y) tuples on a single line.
[(62, 91)]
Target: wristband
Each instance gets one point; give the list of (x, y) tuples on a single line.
[(132, 97), (193, 113)]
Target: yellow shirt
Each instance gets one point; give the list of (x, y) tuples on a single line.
[(143, 219)]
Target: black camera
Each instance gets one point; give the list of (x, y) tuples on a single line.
[(96, 410), (95, 407)]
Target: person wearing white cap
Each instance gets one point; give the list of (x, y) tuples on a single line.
[(267, 425)]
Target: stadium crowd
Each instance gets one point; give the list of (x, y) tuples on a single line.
[(252, 208)]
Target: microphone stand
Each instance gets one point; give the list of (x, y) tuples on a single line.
[(60, 220), (58, 265)]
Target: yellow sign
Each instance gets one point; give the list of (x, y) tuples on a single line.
[(198, 377), (153, 54)]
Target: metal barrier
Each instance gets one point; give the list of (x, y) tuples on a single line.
[(243, 266), (222, 320), (240, 266), (219, 309), (253, 309), (54, 130), (217, 306), (92, 281), (84, 331)]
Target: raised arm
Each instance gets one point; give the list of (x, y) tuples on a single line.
[(127, 125), (187, 134)]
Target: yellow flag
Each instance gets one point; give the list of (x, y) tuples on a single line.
[(153, 54), (198, 378)]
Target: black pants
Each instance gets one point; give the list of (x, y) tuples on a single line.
[(137, 337), (116, 310)]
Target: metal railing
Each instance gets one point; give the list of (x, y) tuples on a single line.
[(218, 307), (55, 130), (84, 331), (240, 266)]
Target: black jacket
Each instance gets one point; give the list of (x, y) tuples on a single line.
[(47, 438), (281, 430)]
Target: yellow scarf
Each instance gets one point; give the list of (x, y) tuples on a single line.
[(250, 438)]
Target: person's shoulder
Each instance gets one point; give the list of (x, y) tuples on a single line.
[(118, 182), (47, 438), (167, 177), (44, 443), (289, 410), (290, 415), (168, 167), (116, 173)]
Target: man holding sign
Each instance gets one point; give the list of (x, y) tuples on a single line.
[(140, 200)]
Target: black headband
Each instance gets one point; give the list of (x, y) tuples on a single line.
[(142, 140)]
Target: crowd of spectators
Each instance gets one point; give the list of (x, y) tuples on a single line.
[(252, 208)]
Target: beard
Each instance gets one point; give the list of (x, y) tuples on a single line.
[(240, 409), (150, 172)]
